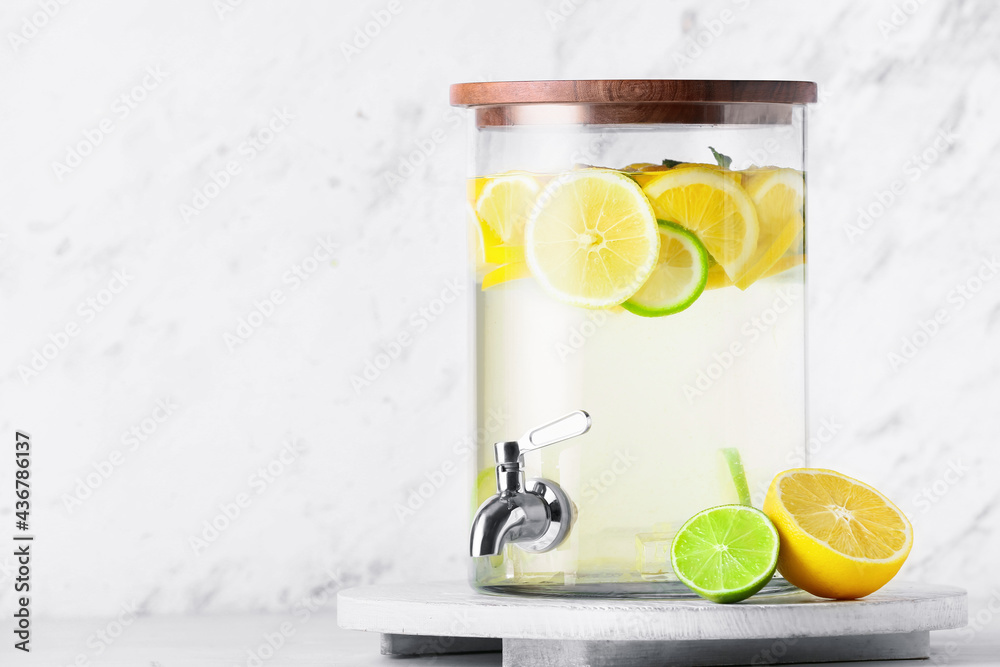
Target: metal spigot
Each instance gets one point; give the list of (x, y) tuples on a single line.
[(535, 515)]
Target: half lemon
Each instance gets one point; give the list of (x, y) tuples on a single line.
[(840, 538)]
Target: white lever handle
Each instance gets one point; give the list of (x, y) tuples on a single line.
[(564, 428)]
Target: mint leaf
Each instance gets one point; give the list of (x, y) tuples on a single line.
[(672, 163), (723, 160)]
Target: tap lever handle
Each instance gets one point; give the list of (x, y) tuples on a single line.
[(564, 428)]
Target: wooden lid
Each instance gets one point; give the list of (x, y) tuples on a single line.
[(632, 91)]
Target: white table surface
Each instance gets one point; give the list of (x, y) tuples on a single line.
[(450, 608), (194, 641)]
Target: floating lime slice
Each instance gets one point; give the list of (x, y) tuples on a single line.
[(679, 277), (725, 553), (735, 462)]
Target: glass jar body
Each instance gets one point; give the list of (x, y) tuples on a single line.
[(671, 396)]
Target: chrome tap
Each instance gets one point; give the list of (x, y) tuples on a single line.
[(535, 515)]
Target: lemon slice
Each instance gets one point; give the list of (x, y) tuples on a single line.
[(712, 206), (717, 277), (778, 195), (506, 273), (644, 166), (679, 277), (504, 254), (477, 243), (643, 175), (592, 239), (840, 538), (751, 173), (734, 176), (504, 205), (474, 188)]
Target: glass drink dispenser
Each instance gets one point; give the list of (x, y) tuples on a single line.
[(639, 250)]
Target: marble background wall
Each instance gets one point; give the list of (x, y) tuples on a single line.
[(170, 169)]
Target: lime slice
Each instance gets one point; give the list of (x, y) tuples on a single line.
[(679, 277), (725, 553), (592, 239), (739, 475), (486, 486)]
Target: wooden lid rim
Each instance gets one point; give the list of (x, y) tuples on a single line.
[(631, 91)]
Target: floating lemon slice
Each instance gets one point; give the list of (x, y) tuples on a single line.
[(505, 273), (644, 166), (840, 538), (488, 247), (717, 277), (504, 204), (714, 207), (778, 195), (644, 173), (504, 254), (592, 239), (477, 242)]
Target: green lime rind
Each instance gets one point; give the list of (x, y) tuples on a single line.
[(735, 462), (726, 553), (647, 302)]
